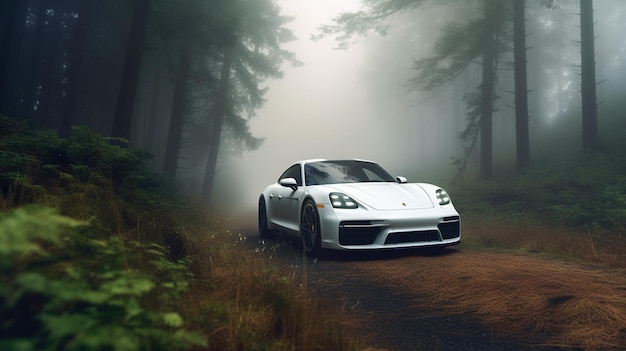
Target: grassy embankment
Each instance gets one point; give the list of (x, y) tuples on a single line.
[(89, 261), (574, 209)]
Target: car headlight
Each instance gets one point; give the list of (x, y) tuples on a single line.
[(443, 197), (340, 200)]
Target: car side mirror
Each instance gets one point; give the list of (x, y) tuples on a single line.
[(401, 180), (289, 182)]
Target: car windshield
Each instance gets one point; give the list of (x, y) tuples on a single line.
[(335, 172)]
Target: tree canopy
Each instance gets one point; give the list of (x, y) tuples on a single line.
[(146, 71)]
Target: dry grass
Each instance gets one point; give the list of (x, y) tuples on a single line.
[(530, 298), (243, 301), (599, 246)]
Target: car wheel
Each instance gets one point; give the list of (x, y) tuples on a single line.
[(263, 230), (310, 228)]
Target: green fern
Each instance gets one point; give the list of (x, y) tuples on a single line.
[(74, 290), (25, 230)]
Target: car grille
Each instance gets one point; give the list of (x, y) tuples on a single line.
[(450, 228), (358, 232), (413, 237)]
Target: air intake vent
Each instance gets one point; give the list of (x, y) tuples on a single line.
[(413, 237), (358, 232), (450, 230)]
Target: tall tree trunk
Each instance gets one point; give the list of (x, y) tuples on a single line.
[(219, 111), (151, 117), (588, 74), (13, 86), (35, 55), (521, 85), (130, 75), (74, 69), (487, 89), (179, 105), (8, 11), (50, 84)]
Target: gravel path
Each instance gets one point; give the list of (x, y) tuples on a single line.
[(388, 320)]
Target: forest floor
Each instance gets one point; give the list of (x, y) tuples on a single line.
[(464, 299), (516, 296)]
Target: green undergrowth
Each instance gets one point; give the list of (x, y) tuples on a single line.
[(82, 254), (97, 252), (65, 287), (573, 206), (589, 192)]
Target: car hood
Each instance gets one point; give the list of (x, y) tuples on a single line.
[(387, 196)]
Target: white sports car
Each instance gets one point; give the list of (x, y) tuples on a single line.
[(356, 205)]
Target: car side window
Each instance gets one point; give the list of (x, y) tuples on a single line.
[(293, 172)]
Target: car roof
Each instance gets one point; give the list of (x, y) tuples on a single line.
[(322, 160)]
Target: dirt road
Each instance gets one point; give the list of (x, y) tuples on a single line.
[(420, 300)]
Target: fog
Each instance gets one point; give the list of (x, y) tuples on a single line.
[(321, 109), (328, 108), (355, 103)]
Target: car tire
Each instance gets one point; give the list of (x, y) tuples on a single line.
[(310, 228), (263, 229)]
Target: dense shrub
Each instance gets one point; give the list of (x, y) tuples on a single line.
[(86, 176), (581, 192), (81, 254)]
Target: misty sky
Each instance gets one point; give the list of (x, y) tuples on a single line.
[(318, 101)]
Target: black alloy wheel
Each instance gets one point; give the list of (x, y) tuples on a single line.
[(263, 230), (310, 228)]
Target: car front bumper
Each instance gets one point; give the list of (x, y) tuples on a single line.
[(367, 229)]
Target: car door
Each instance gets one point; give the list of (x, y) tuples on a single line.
[(283, 199), (290, 205)]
